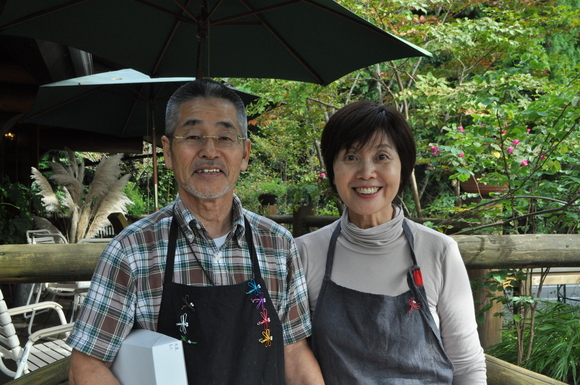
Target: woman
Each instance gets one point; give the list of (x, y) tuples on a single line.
[(391, 299)]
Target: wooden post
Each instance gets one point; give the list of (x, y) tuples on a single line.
[(299, 226), (491, 328)]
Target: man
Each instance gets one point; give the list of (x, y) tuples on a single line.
[(225, 281)]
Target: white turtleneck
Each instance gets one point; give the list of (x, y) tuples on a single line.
[(376, 260)]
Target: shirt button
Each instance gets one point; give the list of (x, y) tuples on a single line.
[(218, 255)]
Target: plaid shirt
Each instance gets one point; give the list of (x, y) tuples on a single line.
[(128, 281)]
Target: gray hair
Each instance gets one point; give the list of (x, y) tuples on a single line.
[(203, 88)]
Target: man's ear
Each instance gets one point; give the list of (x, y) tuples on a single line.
[(167, 152), (246, 157)]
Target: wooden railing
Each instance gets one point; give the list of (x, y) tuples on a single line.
[(76, 262)]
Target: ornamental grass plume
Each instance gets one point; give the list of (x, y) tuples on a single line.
[(85, 210)]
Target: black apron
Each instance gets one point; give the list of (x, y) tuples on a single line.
[(231, 334), (364, 338)]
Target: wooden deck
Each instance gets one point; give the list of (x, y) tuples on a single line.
[(41, 321)]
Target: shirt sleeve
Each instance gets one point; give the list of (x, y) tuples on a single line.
[(457, 321), (295, 312), (107, 315)]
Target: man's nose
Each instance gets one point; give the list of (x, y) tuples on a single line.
[(209, 148)]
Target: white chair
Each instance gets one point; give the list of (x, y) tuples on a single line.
[(37, 352), (76, 290), (35, 290)]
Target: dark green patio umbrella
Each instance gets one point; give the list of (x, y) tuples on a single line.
[(314, 41), (123, 103)]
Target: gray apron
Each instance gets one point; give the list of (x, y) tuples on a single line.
[(364, 338)]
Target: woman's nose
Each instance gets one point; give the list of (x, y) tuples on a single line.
[(366, 169)]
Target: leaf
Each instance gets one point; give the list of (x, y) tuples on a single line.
[(49, 199)]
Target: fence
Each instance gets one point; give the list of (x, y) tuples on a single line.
[(76, 262)]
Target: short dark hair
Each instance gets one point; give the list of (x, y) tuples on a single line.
[(203, 88), (356, 124)]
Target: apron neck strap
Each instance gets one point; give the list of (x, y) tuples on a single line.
[(252, 249), (334, 238), (410, 238), (170, 258), (172, 243), (331, 249)]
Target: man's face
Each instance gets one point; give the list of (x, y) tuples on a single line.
[(206, 171)]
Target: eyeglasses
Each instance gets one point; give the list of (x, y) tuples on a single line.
[(224, 140)]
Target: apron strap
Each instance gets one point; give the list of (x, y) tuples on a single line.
[(331, 249), (172, 243), (170, 258), (252, 249), (410, 239)]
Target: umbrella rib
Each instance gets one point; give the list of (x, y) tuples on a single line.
[(64, 103), (358, 20), (178, 16), (40, 14), (129, 117), (252, 12), (288, 48)]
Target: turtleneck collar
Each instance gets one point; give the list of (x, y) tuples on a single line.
[(374, 237)]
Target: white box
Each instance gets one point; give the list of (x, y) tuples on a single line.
[(150, 358)]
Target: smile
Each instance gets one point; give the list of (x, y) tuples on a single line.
[(208, 171), (367, 190)]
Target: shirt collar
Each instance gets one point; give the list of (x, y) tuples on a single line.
[(187, 220)]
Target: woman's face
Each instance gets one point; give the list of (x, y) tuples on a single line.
[(368, 180)]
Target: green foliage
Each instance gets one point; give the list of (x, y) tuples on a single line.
[(556, 351), (139, 207), (16, 204), (249, 190)]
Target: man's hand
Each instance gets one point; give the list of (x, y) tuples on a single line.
[(300, 365), (86, 370)]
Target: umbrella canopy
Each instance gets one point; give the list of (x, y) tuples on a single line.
[(314, 41), (123, 103)]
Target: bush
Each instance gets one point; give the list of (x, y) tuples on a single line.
[(16, 203), (556, 349)]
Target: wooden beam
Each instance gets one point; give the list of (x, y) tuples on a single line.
[(17, 97), (503, 373), (51, 374), (519, 251), (58, 138), (76, 262), (49, 263)]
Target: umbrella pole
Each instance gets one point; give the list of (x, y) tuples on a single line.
[(202, 33), (155, 179), (154, 153)]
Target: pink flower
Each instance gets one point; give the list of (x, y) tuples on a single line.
[(524, 162), (542, 156), (510, 150), (323, 175), (460, 128), (529, 130), (435, 150), (462, 155), (516, 142), (503, 132)]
